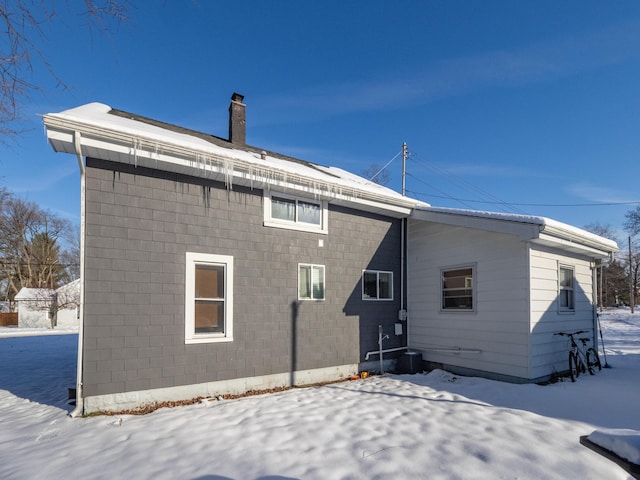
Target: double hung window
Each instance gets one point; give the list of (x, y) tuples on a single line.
[(566, 289), (208, 298)]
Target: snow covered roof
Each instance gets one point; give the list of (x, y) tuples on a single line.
[(540, 230), (97, 130), (35, 293), (70, 287)]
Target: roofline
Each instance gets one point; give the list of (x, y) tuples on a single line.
[(156, 149), (540, 230)]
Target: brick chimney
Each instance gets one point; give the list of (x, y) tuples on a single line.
[(237, 120)]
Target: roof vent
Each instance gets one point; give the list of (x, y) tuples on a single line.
[(237, 120)]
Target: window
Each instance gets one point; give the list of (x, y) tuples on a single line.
[(285, 211), (565, 283), (310, 282), (457, 289), (208, 298), (377, 285)]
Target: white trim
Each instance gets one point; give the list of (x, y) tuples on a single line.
[(561, 309), (474, 289), (377, 298), (269, 221), (129, 400), (193, 259), (324, 282)]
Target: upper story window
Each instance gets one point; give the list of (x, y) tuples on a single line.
[(208, 298), (566, 300), (377, 285), (295, 213), (458, 288)]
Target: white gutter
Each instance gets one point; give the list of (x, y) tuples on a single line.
[(79, 410), (139, 147)]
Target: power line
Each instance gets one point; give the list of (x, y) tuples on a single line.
[(598, 204), (492, 200), (506, 206)]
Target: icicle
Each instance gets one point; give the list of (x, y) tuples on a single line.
[(135, 152)]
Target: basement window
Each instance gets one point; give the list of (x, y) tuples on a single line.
[(295, 213)]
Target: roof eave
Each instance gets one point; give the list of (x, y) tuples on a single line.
[(153, 152)]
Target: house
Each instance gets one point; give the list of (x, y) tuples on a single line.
[(36, 307), (487, 291), (210, 266)]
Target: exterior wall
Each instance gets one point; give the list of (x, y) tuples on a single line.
[(549, 352), (499, 326), (32, 315), (67, 317), (139, 225)]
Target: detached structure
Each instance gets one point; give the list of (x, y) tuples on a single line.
[(210, 266), (49, 308), (36, 307)]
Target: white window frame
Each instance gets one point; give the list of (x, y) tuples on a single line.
[(190, 335), (324, 282), (270, 221), (377, 298), (571, 289), (470, 284)]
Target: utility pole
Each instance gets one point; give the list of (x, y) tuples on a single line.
[(404, 165), (632, 296)]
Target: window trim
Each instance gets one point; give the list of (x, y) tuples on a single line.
[(269, 221), (572, 289), (193, 259), (474, 290), (377, 298), (324, 283)]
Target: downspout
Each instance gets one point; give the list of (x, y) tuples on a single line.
[(594, 304), (79, 410)]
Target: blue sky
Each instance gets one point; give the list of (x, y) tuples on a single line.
[(525, 107)]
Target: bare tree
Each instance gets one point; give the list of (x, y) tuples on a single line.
[(31, 252), (376, 174), (632, 222), (24, 25)]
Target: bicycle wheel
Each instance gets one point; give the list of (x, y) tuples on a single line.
[(582, 367), (593, 360), (573, 366)]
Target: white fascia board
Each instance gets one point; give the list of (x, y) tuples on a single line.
[(150, 153), (568, 245), (522, 230), (574, 235)]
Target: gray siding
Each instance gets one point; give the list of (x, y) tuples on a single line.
[(140, 223)]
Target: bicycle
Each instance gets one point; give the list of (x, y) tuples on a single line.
[(581, 360)]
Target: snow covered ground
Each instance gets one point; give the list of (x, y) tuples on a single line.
[(435, 426)]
